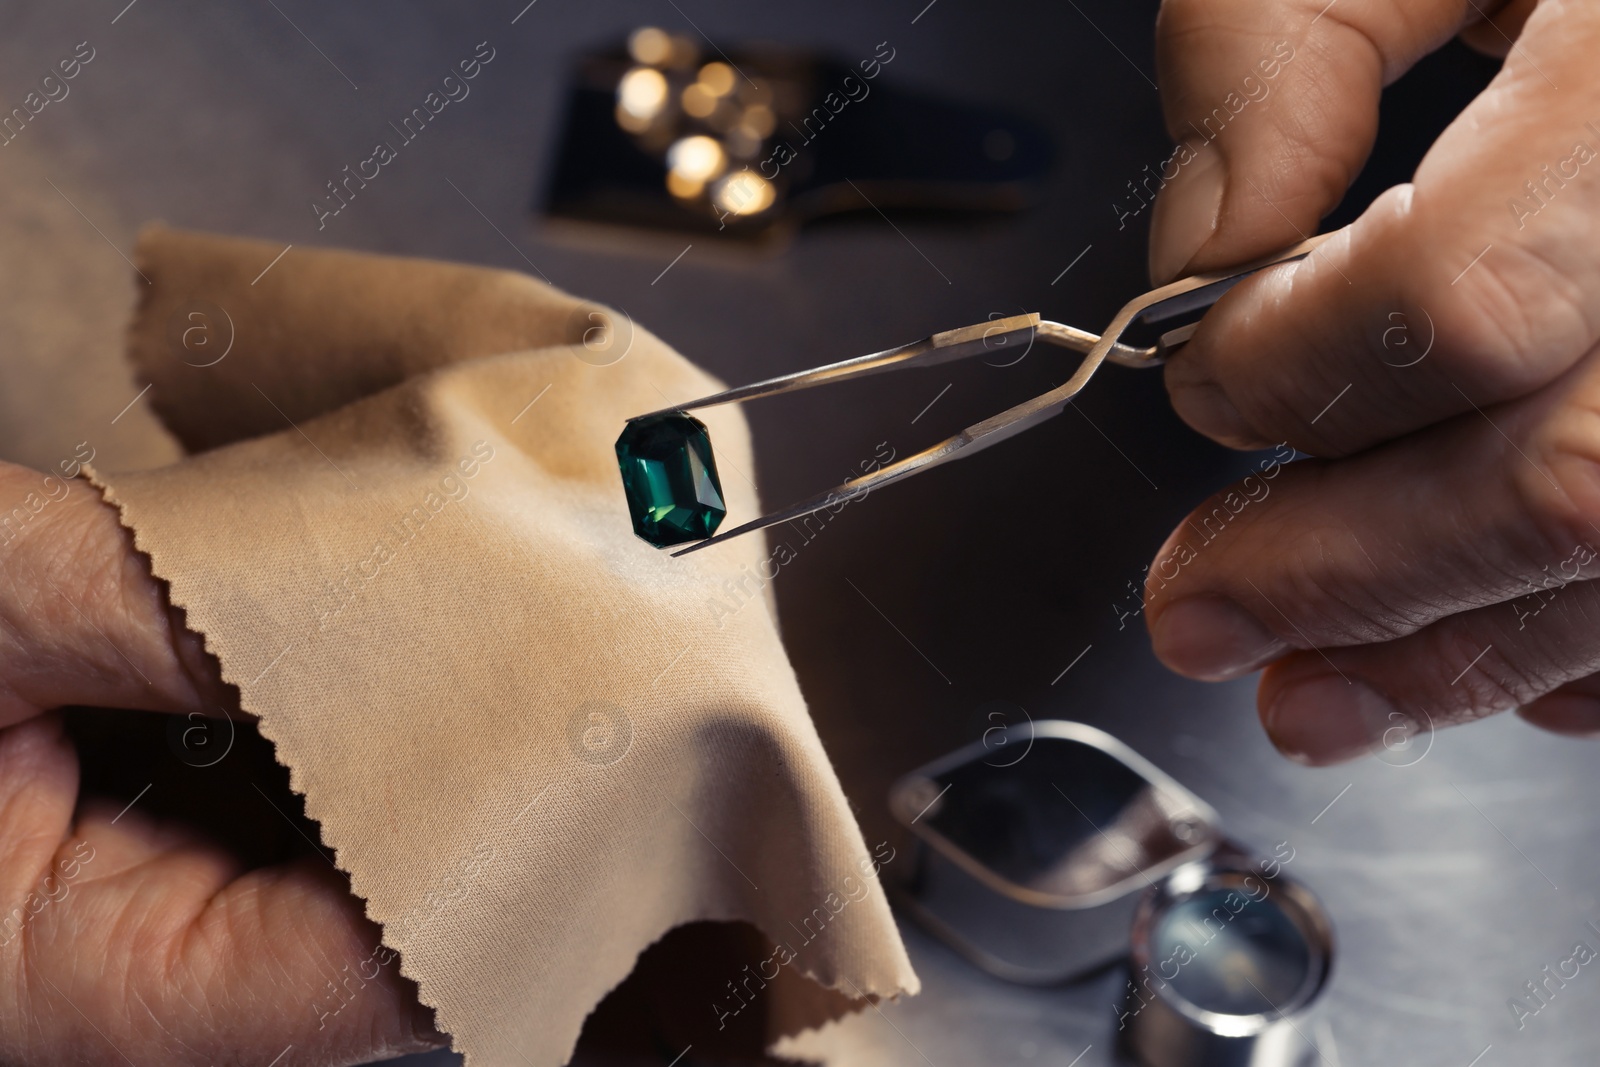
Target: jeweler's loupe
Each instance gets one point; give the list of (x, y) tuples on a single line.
[(1225, 966), (1033, 847), (1048, 850)]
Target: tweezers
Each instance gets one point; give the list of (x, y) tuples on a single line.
[(1186, 296)]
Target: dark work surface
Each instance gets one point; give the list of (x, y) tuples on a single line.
[(981, 582)]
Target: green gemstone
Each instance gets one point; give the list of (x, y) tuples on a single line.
[(670, 476)]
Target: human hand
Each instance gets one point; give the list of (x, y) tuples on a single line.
[(1432, 566), (123, 938)]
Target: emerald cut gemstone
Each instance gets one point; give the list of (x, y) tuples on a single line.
[(670, 476)]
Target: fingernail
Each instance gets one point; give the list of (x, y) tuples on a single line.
[(1329, 719), (1185, 215), (1212, 638), (1202, 404), (1568, 714), (1207, 409)]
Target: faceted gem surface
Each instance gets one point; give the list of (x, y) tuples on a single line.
[(670, 476)]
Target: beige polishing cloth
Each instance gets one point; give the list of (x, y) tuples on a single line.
[(527, 737)]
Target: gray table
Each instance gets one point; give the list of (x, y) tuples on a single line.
[(1442, 877)]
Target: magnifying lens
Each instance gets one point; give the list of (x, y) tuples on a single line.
[(1225, 965)]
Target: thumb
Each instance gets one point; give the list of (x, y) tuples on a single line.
[(1274, 105), (82, 621)]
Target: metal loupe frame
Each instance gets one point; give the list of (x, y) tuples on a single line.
[(951, 888), (1171, 1031)]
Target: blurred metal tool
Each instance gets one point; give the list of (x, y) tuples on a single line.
[(1226, 966), (1042, 867), (1033, 867), (1186, 296)]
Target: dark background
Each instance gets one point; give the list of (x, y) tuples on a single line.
[(912, 610)]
